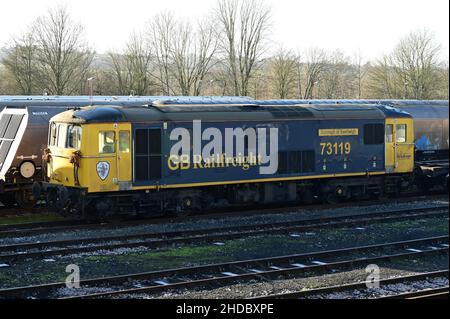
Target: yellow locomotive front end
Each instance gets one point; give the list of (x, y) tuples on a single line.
[(85, 158), (96, 157), (64, 149)]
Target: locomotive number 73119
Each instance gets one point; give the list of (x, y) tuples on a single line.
[(336, 148)]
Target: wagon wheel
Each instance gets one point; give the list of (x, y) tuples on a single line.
[(25, 199)]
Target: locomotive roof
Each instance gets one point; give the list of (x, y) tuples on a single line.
[(225, 112)]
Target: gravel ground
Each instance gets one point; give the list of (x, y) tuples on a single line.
[(296, 215), (125, 261), (255, 289)]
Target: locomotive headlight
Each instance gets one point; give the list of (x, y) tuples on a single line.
[(27, 169)]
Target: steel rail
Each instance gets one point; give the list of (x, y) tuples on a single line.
[(317, 268), (297, 264), (39, 227), (353, 286), (154, 240), (27, 229), (420, 294)]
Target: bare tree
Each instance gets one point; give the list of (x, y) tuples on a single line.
[(338, 78), (361, 72), (119, 72), (208, 46), (299, 71), (131, 68), (444, 91), (410, 70), (381, 80), (105, 80), (63, 56), (315, 65), (20, 62), (160, 33), (192, 53), (414, 61), (243, 26), (284, 74), (138, 58), (8, 83)]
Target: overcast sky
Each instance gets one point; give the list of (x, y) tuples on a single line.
[(372, 26)]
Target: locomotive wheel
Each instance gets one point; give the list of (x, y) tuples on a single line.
[(25, 199), (332, 198), (379, 196), (8, 200), (187, 203), (425, 186), (307, 196), (184, 208)]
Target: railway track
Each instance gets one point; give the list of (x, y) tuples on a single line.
[(384, 283), (16, 252), (306, 264), (28, 229), (9, 211), (42, 227), (431, 293)]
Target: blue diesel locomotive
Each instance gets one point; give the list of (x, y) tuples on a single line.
[(180, 157)]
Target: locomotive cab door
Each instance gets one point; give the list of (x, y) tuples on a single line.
[(399, 144), (124, 167)]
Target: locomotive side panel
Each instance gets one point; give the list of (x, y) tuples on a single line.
[(305, 149)]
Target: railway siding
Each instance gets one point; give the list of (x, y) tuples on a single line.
[(123, 261)]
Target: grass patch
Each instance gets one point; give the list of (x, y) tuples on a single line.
[(32, 218)]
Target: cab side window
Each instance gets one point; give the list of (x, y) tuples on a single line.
[(401, 133), (124, 142), (389, 133), (106, 142)]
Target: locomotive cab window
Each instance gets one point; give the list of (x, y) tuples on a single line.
[(53, 134), (400, 133), (124, 142), (62, 136), (74, 137), (106, 142), (389, 133)]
